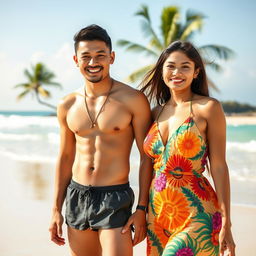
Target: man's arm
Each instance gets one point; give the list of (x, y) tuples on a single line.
[(63, 173), (141, 122)]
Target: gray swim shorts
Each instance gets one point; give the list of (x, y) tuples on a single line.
[(98, 207)]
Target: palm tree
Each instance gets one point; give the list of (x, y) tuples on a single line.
[(38, 77), (173, 29)]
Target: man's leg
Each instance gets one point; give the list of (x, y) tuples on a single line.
[(114, 243), (84, 242)]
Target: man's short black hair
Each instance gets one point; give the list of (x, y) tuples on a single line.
[(90, 33)]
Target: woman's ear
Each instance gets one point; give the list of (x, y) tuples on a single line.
[(196, 72)]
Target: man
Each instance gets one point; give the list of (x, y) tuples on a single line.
[(98, 124)]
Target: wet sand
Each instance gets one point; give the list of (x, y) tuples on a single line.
[(26, 201)]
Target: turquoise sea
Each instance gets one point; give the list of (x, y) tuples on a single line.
[(34, 137)]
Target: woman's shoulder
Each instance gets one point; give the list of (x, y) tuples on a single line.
[(205, 101), (207, 105)]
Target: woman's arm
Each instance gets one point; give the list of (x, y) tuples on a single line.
[(216, 136)]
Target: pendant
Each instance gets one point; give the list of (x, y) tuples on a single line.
[(93, 125)]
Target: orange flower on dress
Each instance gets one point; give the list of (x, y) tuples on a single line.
[(201, 186), (175, 166), (150, 139), (162, 234), (189, 144), (172, 209)]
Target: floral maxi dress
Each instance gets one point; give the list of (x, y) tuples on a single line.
[(184, 217)]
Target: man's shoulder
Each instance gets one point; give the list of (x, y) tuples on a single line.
[(68, 101), (127, 92)]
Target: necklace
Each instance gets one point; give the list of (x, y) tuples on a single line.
[(93, 122)]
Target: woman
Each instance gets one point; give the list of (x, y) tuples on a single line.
[(186, 217)]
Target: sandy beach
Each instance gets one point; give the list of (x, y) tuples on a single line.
[(26, 199), (240, 120)]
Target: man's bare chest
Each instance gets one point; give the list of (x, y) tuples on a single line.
[(113, 117)]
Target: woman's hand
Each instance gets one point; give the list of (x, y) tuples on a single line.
[(226, 241)]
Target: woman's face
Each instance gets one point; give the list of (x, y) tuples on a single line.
[(179, 71)]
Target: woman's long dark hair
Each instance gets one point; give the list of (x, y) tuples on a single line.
[(153, 84)]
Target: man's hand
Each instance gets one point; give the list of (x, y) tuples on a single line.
[(55, 229), (138, 221)]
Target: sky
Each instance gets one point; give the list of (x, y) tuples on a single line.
[(42, 31)]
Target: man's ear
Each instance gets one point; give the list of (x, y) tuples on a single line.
[(75, 60), (112, 57)]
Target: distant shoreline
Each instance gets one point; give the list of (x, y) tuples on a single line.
[(232, 119), (241, 119)]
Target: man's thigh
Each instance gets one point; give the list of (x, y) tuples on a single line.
[(84, 242), (114, 243)]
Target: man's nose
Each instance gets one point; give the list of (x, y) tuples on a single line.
[(92, 61)]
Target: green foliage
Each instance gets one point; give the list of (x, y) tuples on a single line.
[(151, 201), (204, 233), (236, 107), (180, 241), (171, 29), (155, 241), (39, 77), (193, 199)]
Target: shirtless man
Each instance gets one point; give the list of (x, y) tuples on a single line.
[(98, 124)]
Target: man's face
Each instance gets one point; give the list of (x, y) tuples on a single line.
[(93, 59)]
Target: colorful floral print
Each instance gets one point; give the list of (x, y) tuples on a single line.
[(176, 167), (189, 144), (160, 182), (184, 217), (171, 209)]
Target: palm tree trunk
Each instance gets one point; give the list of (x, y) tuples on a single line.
[(45, 103)]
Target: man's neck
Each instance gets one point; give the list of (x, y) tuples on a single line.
[(98, 89)]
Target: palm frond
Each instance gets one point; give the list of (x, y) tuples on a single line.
[(23, 85), (194, 23), (43, 92), (139, 73), (148, 31), (53, 84), (169, 15), (130, 46), (29, 75), (143, 12), (219, 51), (22, 94), (147, 28), (213, 65), (173, 31)]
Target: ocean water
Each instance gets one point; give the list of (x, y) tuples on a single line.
[(34, 137)]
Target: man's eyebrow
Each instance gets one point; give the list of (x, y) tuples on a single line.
[(99, 51)]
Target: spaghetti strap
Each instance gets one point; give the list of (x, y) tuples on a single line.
[(161, 110), (191, 110)]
